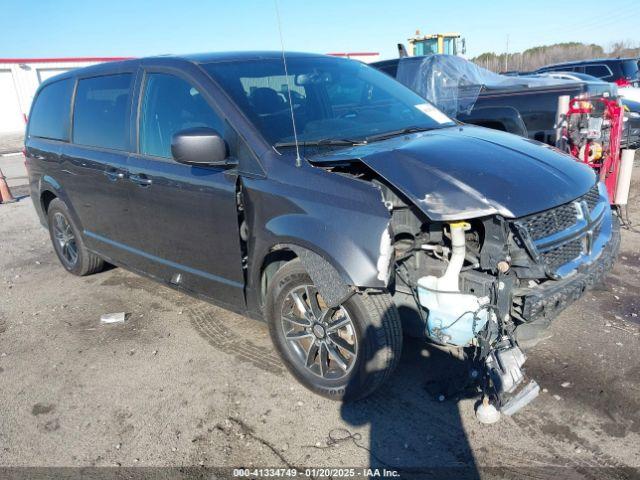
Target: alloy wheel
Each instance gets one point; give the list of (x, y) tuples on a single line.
[(65, 239), (322, 339)]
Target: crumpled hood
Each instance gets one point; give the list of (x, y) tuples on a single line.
[(466, 172)]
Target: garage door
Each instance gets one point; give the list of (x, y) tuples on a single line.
[(11, 119)]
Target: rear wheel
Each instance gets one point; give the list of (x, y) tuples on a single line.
[(68, 243), (343, 353)]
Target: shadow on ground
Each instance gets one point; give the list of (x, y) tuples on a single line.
[(408, 414)]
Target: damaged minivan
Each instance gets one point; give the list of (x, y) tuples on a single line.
[(324, 197)]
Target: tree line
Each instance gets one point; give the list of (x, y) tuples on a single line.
[(536, 57)]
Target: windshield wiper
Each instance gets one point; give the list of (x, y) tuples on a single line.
[(340, 142), (395, 133)]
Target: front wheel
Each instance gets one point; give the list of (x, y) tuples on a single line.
[(342, 353)]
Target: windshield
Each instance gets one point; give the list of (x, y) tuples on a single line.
[(332, 99)]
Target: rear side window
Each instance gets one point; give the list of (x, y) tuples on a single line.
[(101, 111), (390, 69), (599, 71), (630, 69), (50, 113), (559, 68), (169, 105)]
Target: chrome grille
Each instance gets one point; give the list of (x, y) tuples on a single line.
[(552, 233), (592, 197), (541, 225), (552, 221), (558, 256)]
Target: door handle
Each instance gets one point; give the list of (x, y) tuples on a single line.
[(141, 179), (115, 174)]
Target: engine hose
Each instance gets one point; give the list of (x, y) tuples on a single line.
[(414, 291)]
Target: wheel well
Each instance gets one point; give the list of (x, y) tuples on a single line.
[(46, 198), (270, 265)]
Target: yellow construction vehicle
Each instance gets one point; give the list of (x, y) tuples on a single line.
[(444, 43)]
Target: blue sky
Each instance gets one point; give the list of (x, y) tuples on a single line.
[(42, 28)]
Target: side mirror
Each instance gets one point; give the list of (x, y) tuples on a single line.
[(199, 146)]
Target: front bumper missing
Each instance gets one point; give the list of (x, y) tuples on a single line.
[(508, 383), (521, 399), (545, 302), (506, 378)]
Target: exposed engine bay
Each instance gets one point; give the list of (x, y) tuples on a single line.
[(488, 283), (459, 276)]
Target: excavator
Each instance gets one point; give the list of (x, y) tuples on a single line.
[(443, 43)]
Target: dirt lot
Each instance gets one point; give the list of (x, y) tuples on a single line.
[(183, 383), (11, 142)]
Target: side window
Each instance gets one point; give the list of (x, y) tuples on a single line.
[(169, 105), (391, 69), (50, 113), (556, 69), (101, 111), (599, 71)]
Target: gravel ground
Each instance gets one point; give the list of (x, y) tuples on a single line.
[(183, 383), (12, 166), (11, 142)]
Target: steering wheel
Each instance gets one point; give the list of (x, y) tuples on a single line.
[(348, 115)]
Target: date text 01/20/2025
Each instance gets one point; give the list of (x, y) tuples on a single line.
[(315, 473)]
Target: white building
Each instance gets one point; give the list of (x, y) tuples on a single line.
[(19, 79)]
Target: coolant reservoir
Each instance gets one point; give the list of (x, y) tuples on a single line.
[(453, 317)]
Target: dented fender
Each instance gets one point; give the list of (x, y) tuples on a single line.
[(339, 220), (355, 258)]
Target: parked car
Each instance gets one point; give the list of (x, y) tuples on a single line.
[(523, 105), (623, 72), (628, 92), (578, 77), (189, 170)]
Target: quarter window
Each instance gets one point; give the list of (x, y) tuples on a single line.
[(101, 111), (630, 68), (50, 114), (169, 105), (598, 71)]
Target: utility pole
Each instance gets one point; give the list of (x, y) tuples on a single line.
[(506, 56)]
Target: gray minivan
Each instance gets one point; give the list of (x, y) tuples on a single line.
[(325, 198)]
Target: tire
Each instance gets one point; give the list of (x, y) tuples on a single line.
[(371, 330), (63, 230)]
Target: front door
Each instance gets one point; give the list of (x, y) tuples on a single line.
[(187, 215)]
